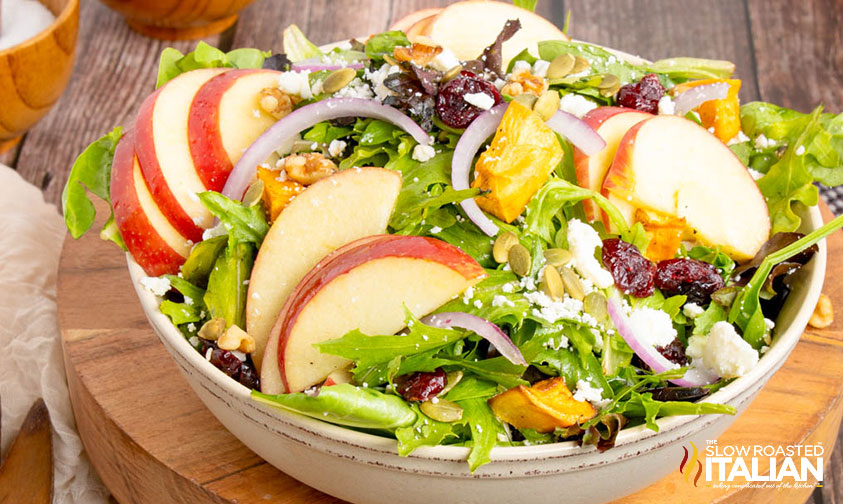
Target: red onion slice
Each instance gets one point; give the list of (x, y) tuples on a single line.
[(482, 327), (574, 129), (289, 126), (693, 377), (696, 96), (315, 65), (577, 132)]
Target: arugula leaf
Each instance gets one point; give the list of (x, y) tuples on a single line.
[(193, 295), (385, 44), (692, 68), (496, 369), (642, 405), (789, 181), (297, 47), (180, 313), (91, 170), (244, 225), (424, 432), (173, 63), (226, 294), (347, 405), (491, 302), (472, 388), (746, 310), (713, 314), (602, 61), (485, 428)]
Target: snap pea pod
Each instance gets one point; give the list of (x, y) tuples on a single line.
[(348, 405)]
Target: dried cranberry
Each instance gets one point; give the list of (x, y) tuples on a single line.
[(451, 105), (226, 362), (249, 376), (689, 277), (643, 95), (633, 273), (422, 386), (674, 352)]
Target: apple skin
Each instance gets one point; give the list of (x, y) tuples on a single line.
[(611, 123), (206, 123), (156, 255), (672, 166), (187, 215), (368, 252)]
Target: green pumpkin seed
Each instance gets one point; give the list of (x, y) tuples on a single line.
[(557, 257), (526, 99), (212, 329), (609, 85), (519, 259), (547, 104), (561, 66), (595, 305), (254, 194), (442, 410), (504, 242), (551, 283), (451, 380), (450, 74), (338, 79), (580, 64), (573, 285)]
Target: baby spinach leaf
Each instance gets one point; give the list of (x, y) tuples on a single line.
[(485, 428), (424, 432), (244, 225), (385, 44)]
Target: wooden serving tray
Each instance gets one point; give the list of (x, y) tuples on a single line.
[(153, 441)]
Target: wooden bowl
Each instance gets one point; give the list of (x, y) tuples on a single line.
[(34, 73), (177, 19)]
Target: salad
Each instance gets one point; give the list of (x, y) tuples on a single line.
[(519, 246)]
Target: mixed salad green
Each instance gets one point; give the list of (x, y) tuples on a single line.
[(433, 385)]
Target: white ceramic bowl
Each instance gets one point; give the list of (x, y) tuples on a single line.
[(364, 468)]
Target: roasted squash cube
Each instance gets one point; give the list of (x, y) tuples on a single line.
[(545, 406), (277, 194), (517, 163), (722, 115)]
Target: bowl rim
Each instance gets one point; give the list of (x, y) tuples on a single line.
[(65, 14), (670, 428)]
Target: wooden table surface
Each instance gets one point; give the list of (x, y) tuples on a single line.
[(786, 52)]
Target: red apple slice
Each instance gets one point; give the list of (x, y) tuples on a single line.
[(327, 215), (611, 123), (675, 167), (364, 287), (152, 241), (226, 118), (161, 144)]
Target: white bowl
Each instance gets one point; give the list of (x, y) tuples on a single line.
[(365, 468)]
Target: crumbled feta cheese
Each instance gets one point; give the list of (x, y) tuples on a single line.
[(336, 147), (480, 100), (575, 104), (582, 240), (445, 60), (240, 355), (755, 173), (156, 285), (711, 130), (769, 324), (191, 327), (499, 301), (435, 229), (296, 83), (217, 230), (194, 340), (188, 301), (692, 310), (551, 310), (762, 142), (588, 392), (521, 65), (467, 295), (256, 113), (652, 327), (355, 89), (666, 105), (739, 138), (208, 353), (800, 150), (499, 83), (508, 287), (478, 304), (423, 153), (722, 353), (377, 77), (540, 68)]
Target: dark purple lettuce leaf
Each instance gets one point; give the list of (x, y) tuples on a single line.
[(491, 57)]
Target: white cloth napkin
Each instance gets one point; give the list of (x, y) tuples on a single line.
[(31, 365)]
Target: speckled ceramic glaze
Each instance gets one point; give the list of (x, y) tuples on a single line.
[(363, 468)]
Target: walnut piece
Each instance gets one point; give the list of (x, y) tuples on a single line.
[(276, 102), (823, 314), (418, 53), (236, 339), (523, 81), (308, 167)]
